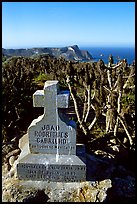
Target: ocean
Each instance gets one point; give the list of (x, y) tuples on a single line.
[(118, 53)]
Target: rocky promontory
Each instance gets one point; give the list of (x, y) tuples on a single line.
[(68, 52)]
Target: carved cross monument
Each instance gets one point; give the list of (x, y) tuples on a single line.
[(51, 131), (49, 153)]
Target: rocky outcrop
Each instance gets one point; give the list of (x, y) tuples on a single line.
[(26, 191), (107, 181)]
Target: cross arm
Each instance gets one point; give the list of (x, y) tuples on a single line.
[(63, 99), (38, 98)]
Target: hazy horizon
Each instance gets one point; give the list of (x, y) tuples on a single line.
[(80, 46)]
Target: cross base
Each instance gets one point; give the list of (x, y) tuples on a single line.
[(41, 167)]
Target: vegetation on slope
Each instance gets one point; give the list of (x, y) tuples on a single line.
[(102, 97)]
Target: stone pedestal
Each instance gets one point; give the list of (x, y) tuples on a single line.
[(45, 167)]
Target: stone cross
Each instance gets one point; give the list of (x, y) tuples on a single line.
[(48, 150), (53, 130)]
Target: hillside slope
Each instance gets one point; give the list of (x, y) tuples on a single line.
[(69, 52)]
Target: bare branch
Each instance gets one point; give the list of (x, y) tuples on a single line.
[(92, 106), (93, 96), (129, 137), (93, 123), (118, 111), (76, 107), (107, 89), (109, 78), (126, 83), (85, 106), (114, 67), (132, 87), (125, 77), (89, 99)]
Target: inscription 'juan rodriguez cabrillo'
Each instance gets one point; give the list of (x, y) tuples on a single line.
[(51, 134)]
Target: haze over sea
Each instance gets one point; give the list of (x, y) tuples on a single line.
[(118, 53)]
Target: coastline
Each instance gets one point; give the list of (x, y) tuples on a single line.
[(118, 53)]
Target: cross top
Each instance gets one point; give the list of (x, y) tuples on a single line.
[(51, 97)]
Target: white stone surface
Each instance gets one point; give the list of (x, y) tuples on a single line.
[(49, 147), (44, 167), (38, 98), (52, 131)]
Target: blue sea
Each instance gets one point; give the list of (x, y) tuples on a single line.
[(118, 53)]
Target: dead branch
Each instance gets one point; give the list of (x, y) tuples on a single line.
[(88, 103), (107, 89), (114, 67), (126, 83), (93, 123), (118, 111), (75, 106), (109, 78), (85, 106), (124, 126)]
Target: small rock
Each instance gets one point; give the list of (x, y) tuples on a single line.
[(11, 160), (101, 196), (105, 184), (15, 152)]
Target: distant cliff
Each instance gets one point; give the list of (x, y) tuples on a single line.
[(69, 52)]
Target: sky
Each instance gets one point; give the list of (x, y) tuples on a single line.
[(59, 24)]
